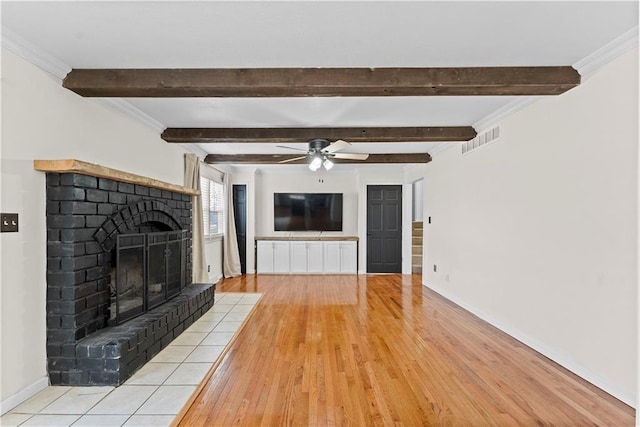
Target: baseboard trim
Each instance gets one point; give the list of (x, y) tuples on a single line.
[(577, 369), (29, 391)]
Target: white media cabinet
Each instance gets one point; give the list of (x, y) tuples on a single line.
[(307, 255)]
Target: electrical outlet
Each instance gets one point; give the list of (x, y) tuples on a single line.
[(8, 222), (209, 268), (435, 268)]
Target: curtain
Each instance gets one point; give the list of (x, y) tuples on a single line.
[(192, 180), (231, 262)]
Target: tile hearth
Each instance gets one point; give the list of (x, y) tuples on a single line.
[(155, 394)]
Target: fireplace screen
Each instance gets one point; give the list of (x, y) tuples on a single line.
[(149, 270)]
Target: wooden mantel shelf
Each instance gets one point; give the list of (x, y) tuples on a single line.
[(91, 169)]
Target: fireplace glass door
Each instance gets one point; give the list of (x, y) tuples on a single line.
[(176, 263), (128, 295), (149, 270), (165, 266), (157, 268)]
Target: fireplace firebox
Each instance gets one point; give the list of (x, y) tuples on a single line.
[(148, 269)]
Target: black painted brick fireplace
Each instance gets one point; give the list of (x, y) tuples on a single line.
[(85, 214)]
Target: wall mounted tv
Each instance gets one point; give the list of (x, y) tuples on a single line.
[(307, 211)]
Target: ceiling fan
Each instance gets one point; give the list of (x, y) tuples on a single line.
[(321, 151)]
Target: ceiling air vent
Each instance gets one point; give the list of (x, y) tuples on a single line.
[(481, 140)]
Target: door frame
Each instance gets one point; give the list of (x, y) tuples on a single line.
[(395, 229), (407, 194)]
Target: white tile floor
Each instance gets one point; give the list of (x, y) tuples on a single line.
[(153, 395)]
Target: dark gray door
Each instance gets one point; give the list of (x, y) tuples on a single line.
[(240, 216), (384, 229)]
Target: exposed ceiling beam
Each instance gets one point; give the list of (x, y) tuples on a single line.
[(277, 158), (297, 82), (292, 135)]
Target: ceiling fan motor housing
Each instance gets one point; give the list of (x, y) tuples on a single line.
[(318, 144)]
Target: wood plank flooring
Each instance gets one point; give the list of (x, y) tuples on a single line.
[(384, 350)]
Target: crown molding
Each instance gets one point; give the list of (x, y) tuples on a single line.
[(52, 65), (586, 67), (607, 53), (194, 148), (504, 112), (134, 113), (442, 147), (31, 53)]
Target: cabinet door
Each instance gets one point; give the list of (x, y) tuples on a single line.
[(348, 257), (298, 257), (315, 257), (281, 262), (265, 257), (332, 257)]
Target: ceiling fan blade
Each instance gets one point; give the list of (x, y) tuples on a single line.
[(291, 148), (351, 156), (336, 146), (292, 160)]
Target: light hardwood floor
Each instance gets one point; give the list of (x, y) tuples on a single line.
[(384, 350)]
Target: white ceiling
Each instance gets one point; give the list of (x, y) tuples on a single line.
[(238, 34)]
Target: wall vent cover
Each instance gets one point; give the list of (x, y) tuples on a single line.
[(481, 140)]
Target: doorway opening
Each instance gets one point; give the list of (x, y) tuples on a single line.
[(384, 228)]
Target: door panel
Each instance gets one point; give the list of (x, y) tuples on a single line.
[(384, 228), (391, 218)]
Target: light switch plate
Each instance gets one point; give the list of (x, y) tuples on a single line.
[(8, 222)]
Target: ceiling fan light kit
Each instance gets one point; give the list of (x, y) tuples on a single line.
[(316, 162), (321, 151)]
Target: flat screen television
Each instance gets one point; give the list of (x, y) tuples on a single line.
[(307, 211)]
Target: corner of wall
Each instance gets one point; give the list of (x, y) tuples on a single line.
[(16, 399)]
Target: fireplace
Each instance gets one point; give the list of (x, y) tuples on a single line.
[(118, 275)]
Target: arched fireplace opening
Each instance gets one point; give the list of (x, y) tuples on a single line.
[(148, 255)]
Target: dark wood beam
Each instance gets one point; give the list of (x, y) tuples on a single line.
[(277, 158), (297, 82), (292, 135)]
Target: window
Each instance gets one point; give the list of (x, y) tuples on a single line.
[(212, 207)]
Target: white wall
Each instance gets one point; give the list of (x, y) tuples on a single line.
[(418, 200), (267, 183), (41, 120), (537, 232), (354, 187)]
